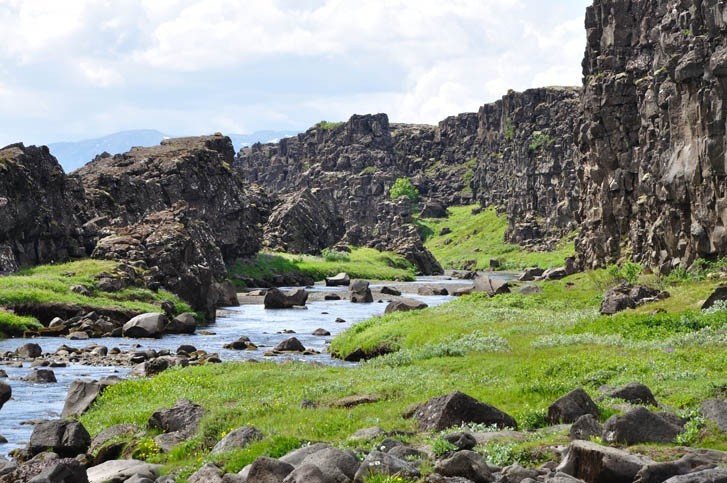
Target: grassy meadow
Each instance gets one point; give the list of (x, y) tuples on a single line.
[(479, 238), (517, 352)]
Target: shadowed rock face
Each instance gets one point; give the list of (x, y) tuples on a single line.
[(39, 222), (654, 175)]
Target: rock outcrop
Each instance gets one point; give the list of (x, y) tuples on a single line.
[(654, 179), (38, 217)]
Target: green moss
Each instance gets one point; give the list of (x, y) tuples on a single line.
[(480, 238), (327, 126)]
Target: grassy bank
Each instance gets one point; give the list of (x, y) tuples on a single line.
[(516, 352), (360, 263), (479, 238), (52, 284)]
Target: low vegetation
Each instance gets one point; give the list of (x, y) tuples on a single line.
[(472, 240), (404, 187), (359, 263), (517, 352), (52, 284)]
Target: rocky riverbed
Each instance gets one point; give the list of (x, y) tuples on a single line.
[(26, 362)]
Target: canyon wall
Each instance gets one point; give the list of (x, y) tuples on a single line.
[(653, 180)]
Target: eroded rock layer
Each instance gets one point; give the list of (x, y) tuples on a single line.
[(654, 183)]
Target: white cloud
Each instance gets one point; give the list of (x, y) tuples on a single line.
[(95, 66)]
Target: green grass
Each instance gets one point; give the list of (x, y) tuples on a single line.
[(480, 238), (12, 325), (360, 263), (52, 284), (491, 349)]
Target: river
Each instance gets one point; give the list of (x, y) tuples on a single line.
[(32, 401)]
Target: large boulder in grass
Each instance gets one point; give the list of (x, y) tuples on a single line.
[(384, 464), (712, 409), (150, 325), (404, 305), (67, 437), (208, 473), (268, 470), (454, 409), (238, 438), (183, 417), (601, 464), (571, 406), (466, 464), (276, 299), (640, 425), (635, 393), (81, 394), (335, 463), (719, 295)]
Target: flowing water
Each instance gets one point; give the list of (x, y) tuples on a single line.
[(32, 402)]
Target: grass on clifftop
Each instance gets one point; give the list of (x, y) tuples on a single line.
[(480, 238), (364, 263), (52, 284), (516, 352)]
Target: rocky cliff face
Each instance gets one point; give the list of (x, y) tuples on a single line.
[(39, 220), (346, 170), (125, 189), (527, 160), (654, 176)]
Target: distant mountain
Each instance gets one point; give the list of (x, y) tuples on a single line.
[(73, 155)]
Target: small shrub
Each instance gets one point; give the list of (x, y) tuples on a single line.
[(441, 447), (627, 272), (538, 140), (509, 129), (404, 187), (331, 255), (327, 126), (533, 419), (695, 423)]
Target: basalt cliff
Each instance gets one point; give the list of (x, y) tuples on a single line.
[(634, 160)]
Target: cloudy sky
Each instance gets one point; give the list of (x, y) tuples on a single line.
[(75, 69)]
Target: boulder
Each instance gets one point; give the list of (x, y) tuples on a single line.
[(227, 295), (337, 464), (360, 291), (386, 290), (432, 209), (290, 345), (81, 394), (491, 286), (600, 464), (719, 295), (635, 393), (340, 280), (625, 296), (712, 409), (268, 470), (530, 274), (306, 474), (67, 470), (41, 376), (321, 332), (168, 441), (457, 408), (384, 464), (276, 299), (121, 470), (297, 456), (110, 437), (208, 473), (150, 325), (29, 351), (571, 406), (184, 417), (466, 464), (585, 427), (67, 438), (432, 291), (462, 440), (715, 475), (555, 273), (6, 392), (238, 438), (404, 305), (243, 343), (185, 323), (640, 425)]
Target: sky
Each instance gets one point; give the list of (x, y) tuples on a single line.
[(78, 69)]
